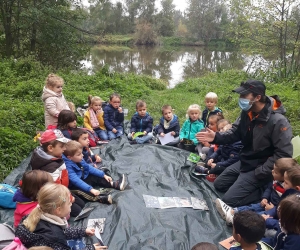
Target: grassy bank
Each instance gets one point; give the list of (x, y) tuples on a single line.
[(21, 112)]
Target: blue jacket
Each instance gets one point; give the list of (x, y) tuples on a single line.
[(141, 124), (284, 241), (87, 156), (190, 129), (112, 117), (206, 114), (174, 126), (271, 194), (75, 173)]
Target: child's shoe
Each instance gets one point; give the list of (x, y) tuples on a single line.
[(200, 169), (225, 211), (105, 199), (120, 184), (211, 177)]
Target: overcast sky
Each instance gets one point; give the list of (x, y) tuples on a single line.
[(180, 4)]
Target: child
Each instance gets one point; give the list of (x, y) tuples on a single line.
[(225, 156), (221, 124), (270, 197), (191, 127), (93, 117), (248, 229), (54, 100), (67, 121), (46, 225), (48, 157), (168, 123), (141, 121), (114, 117), (205, 246), (83, 176), (288, 235), (211, 100), (26, 196), (82, 137)]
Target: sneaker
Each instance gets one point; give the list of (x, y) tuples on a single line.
[(211, 177), (105, 199), (120, 184), (225, 211), (201, 170), (132, 142)]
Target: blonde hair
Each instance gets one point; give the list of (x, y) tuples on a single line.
[(211, 96), (50, 197), (72, 147), (71, 106), (193, 107), (93, 99), (52, 80)]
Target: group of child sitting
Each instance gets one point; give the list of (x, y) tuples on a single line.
[(65, 172)]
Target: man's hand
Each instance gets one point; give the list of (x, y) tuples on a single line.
[(95, 192), (207, 136), (264, 202), (269, 206), (108, 178)]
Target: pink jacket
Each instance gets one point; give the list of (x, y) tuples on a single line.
[(22, 209), (53, 104)]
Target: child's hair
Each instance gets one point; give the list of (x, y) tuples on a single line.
[(227, 127), (77, 132), (223, 121), (71, 106), (193, 107), (93, 99), (45, 145), (293, 175), (49, 197), (32, 181), (211, 96), (52, 80), (283, 164), (65, 116), (166, 107), (204, 246), (249, 225), (289, 213), (72, 147), (114, 95), (219, 116), (140, 104)]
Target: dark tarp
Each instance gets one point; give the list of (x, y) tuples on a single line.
[(153, 170)]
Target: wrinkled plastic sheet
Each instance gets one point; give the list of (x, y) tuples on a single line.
[(152, 170)]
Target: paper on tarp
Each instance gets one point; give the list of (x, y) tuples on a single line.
[(296, 146), (150, 169)]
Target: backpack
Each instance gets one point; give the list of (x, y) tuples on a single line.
[(7, 235), (16, 244), (93, 138), (7, 193)]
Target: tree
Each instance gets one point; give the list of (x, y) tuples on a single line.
[(165, 19)]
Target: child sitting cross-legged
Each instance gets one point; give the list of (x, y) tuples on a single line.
[(270, 197), (248, 230), (67, 121), (83, 176)]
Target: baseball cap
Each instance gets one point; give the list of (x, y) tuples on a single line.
[(53, 134), (251, 86)]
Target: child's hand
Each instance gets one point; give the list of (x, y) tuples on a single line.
[(108, 178), (114, 130), (173, 133), (90, 231), (213, 165), (132, 134), (120, 110), (72, 199), (264, 202), (266, 216), (98, 158), (206, 144), (145, 132), (161, 134), (95, 192), (269, 206), (209, 162), (98, 247)]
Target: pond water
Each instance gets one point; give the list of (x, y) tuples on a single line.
[(173, 65)]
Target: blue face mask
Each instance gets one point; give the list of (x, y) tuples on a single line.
[(245, 104)]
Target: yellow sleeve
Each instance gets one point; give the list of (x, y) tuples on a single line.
[(86, 120)]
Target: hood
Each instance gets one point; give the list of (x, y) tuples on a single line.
[(19, 197), (49, 93), (40, 158)]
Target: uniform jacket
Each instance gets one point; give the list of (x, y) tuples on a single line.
[(283, 241), (87, 156), (79, 171), (24, 206), (265, 137), (206, 114), (190, 129), (273, 192), (112, 117), (53, 104), (259, 246), (54, 166), (50, 235), (141, 124), (87, 122), (174, 126)]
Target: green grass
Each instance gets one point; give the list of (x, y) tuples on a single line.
[(22, 114)]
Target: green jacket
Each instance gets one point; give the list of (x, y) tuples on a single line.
[(190, 129)]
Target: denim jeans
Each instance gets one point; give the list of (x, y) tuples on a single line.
[(142, 139), (256, 207), (112, 135), (102, 134)]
